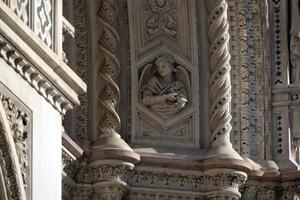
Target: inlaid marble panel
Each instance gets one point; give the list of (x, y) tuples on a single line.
[(21, 8), (43, 21)]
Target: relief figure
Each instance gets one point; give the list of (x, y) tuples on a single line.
[(164, 87)]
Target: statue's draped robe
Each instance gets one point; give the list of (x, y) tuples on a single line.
[(156, 88)]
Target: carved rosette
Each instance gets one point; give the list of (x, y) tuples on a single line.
[(220, 85)]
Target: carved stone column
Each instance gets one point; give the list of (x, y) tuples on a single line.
[(109, 144), (111, 156), (220, 85)]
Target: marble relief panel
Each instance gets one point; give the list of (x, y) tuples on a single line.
[(164, 69)]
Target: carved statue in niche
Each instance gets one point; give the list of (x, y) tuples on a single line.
[(164, 87), (295, 41)]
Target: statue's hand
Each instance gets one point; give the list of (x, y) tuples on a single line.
[(181, 101), (171, 96)]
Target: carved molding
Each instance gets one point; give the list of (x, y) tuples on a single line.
[(249, 107), (97, 174), (30, 74), (75, 121), (213, 181), (279, 49), (270, 190), (81, 34)]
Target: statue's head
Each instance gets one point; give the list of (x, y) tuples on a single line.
[(164, 65)]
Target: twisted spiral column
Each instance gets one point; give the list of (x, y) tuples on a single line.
[(109, 144), (109, 70), (220, 85)]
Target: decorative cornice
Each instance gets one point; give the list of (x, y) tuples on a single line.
[(102, 173), (270, 190), (209, 181), (35, 78), (196, 182)]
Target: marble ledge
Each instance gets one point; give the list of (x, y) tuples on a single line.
[(193, 162), (196, 162), (71, 146)]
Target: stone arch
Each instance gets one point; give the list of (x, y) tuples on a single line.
[(11, 183)]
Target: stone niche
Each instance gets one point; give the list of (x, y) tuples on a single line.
[(164, 73)]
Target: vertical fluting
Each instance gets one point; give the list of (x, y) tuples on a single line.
[(220, 86), (109, 123)]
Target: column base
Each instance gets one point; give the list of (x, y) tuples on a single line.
[(223, 152), (113, 148)]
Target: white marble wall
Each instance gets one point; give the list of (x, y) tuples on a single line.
[(46, 138)]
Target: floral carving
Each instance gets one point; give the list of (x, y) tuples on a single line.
[(18, 121), (100, 177), (161, 17)]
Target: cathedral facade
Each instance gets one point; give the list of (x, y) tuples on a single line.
[(149, 99)]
